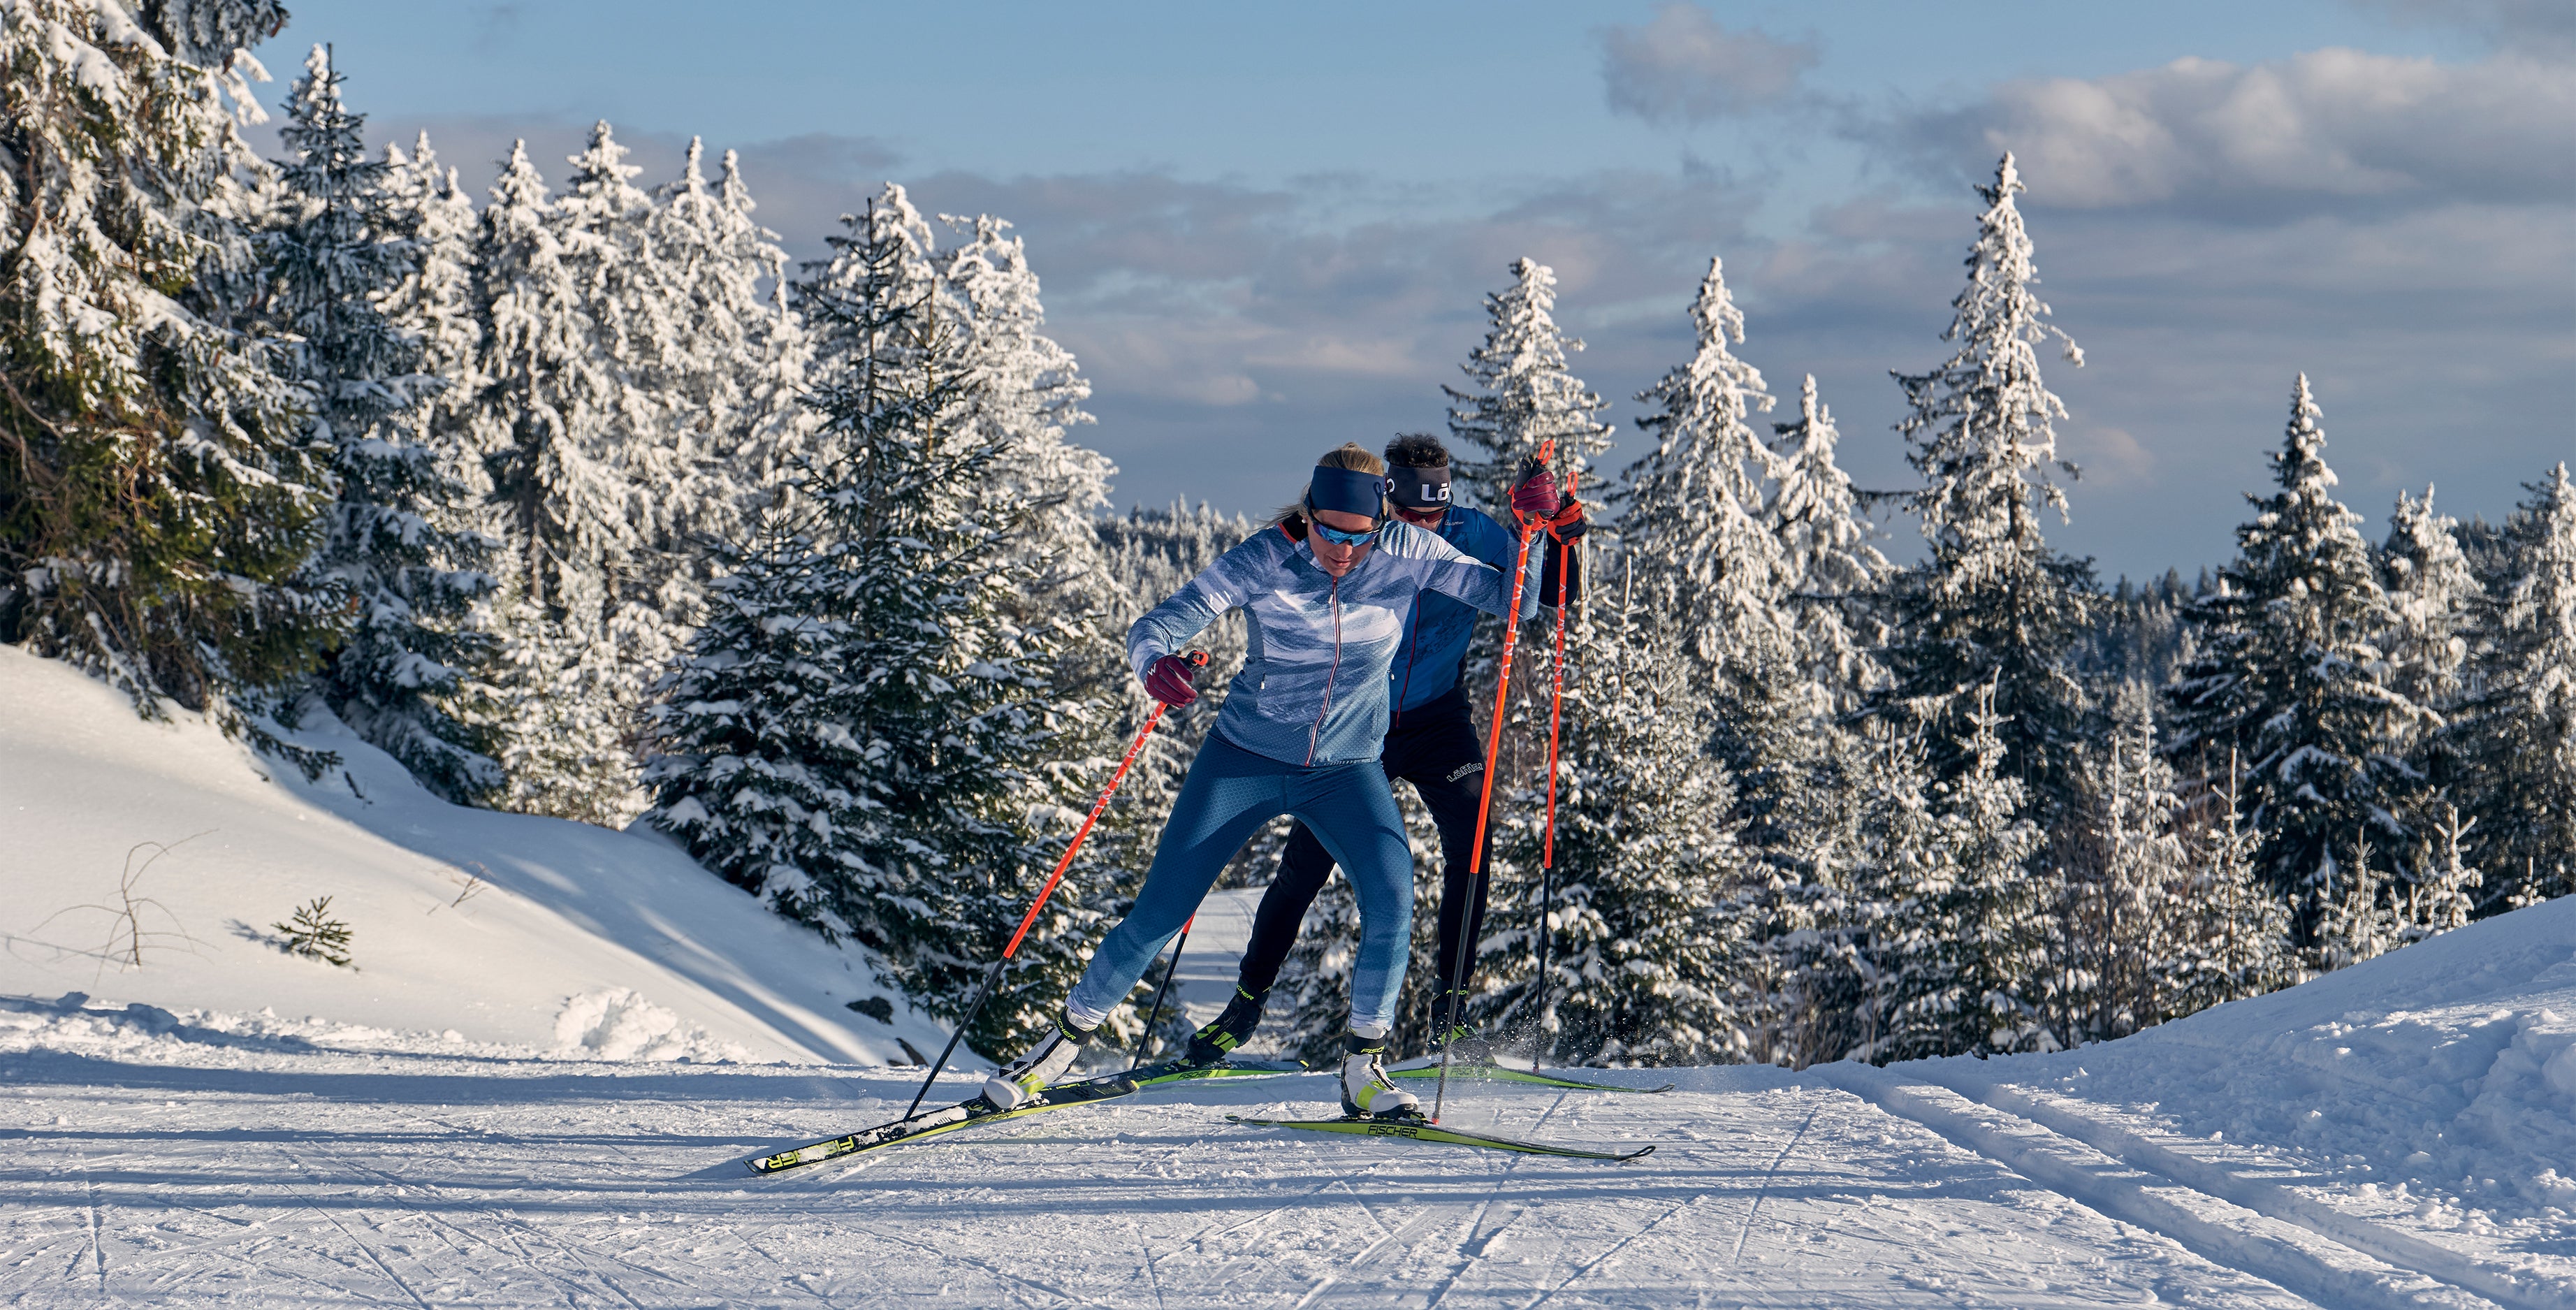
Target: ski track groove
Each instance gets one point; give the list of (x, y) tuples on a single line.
[(2293, 1268), (1056, 1292), (1145, 1248), (1746, 1229), (2271, 1200), (1467, 1259), (97, 1227)]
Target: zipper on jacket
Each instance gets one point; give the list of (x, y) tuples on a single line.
[(1315, 734)]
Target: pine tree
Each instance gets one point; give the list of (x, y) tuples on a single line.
[(2517, 730), (2128, 904), (1693, 524), (1801, 783), (2239, 943), (1993, 606), (1025, 391), (2291, 675), (1521, 394), (963, 778), (544, 417), (2431, 592), (604, 226), (752, 764), (157, 501), (435, 302), (1963, 948), (1829, 558), (1642, 929), (2445, 892), (337, 250), (738, 356)]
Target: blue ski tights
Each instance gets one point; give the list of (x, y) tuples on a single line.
[(1229, 794)]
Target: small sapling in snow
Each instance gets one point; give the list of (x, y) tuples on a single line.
[(315, 935)]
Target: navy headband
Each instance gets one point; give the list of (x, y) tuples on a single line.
[(1347, 490), (1419, 488)]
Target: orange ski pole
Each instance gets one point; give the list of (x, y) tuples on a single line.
[(1485, 803), (1547, 848)]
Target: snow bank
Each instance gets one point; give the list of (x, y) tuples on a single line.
[(529, 933), (618, 1024)]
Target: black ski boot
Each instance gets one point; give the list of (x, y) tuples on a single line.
[(1462, 1042), (1229, 1031)]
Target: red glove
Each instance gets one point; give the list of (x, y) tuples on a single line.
[(1168, 681), (1534, 497)]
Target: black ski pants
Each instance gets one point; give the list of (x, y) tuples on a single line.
[(1433, 747)]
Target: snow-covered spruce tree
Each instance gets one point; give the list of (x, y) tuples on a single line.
[(2444, 895), (1963, 950), (336, 248), (1692, 523), (738, 355), (2432, 594), (2356, 909), (2291, 676), (2239, 944), (962, 781), (2128, 903), (1026, 392), (157, 499), (1993, 606), (2517, 732), (1830, 562), (604, 228), (545, 412), (1029, 391), (752, 759), (1800, 798), (1642, 929), (435, 302), (1520, 393)]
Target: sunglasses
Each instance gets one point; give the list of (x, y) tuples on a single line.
[(1341, 538)]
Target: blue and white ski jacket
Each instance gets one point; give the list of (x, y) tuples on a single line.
[(1314, 686)]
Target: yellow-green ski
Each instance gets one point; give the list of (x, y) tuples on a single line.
[(1422, 1130)]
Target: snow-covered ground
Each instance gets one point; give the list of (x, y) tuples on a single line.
[(500, 928), (2395, 1135)]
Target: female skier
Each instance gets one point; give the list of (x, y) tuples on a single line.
[(1326, 590), (1431, 742)]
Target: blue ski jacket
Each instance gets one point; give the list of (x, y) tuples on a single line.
[(1435, 635), (1314, 687)]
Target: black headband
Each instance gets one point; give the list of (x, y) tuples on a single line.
[(1419, 488)]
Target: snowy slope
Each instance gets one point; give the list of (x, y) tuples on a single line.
[(572, 939)]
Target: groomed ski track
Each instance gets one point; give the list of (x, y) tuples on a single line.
[(170, 1165)]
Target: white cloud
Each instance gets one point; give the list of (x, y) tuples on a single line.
[(2324, 129), (1686, 67)]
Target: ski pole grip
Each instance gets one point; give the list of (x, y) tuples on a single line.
[(1197, 658)]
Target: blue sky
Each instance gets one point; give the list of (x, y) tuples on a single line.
[(1267, 229)]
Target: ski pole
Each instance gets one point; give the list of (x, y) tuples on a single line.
[(1197, 658), (1161, 992), (1547, 847), (1485, 803)]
